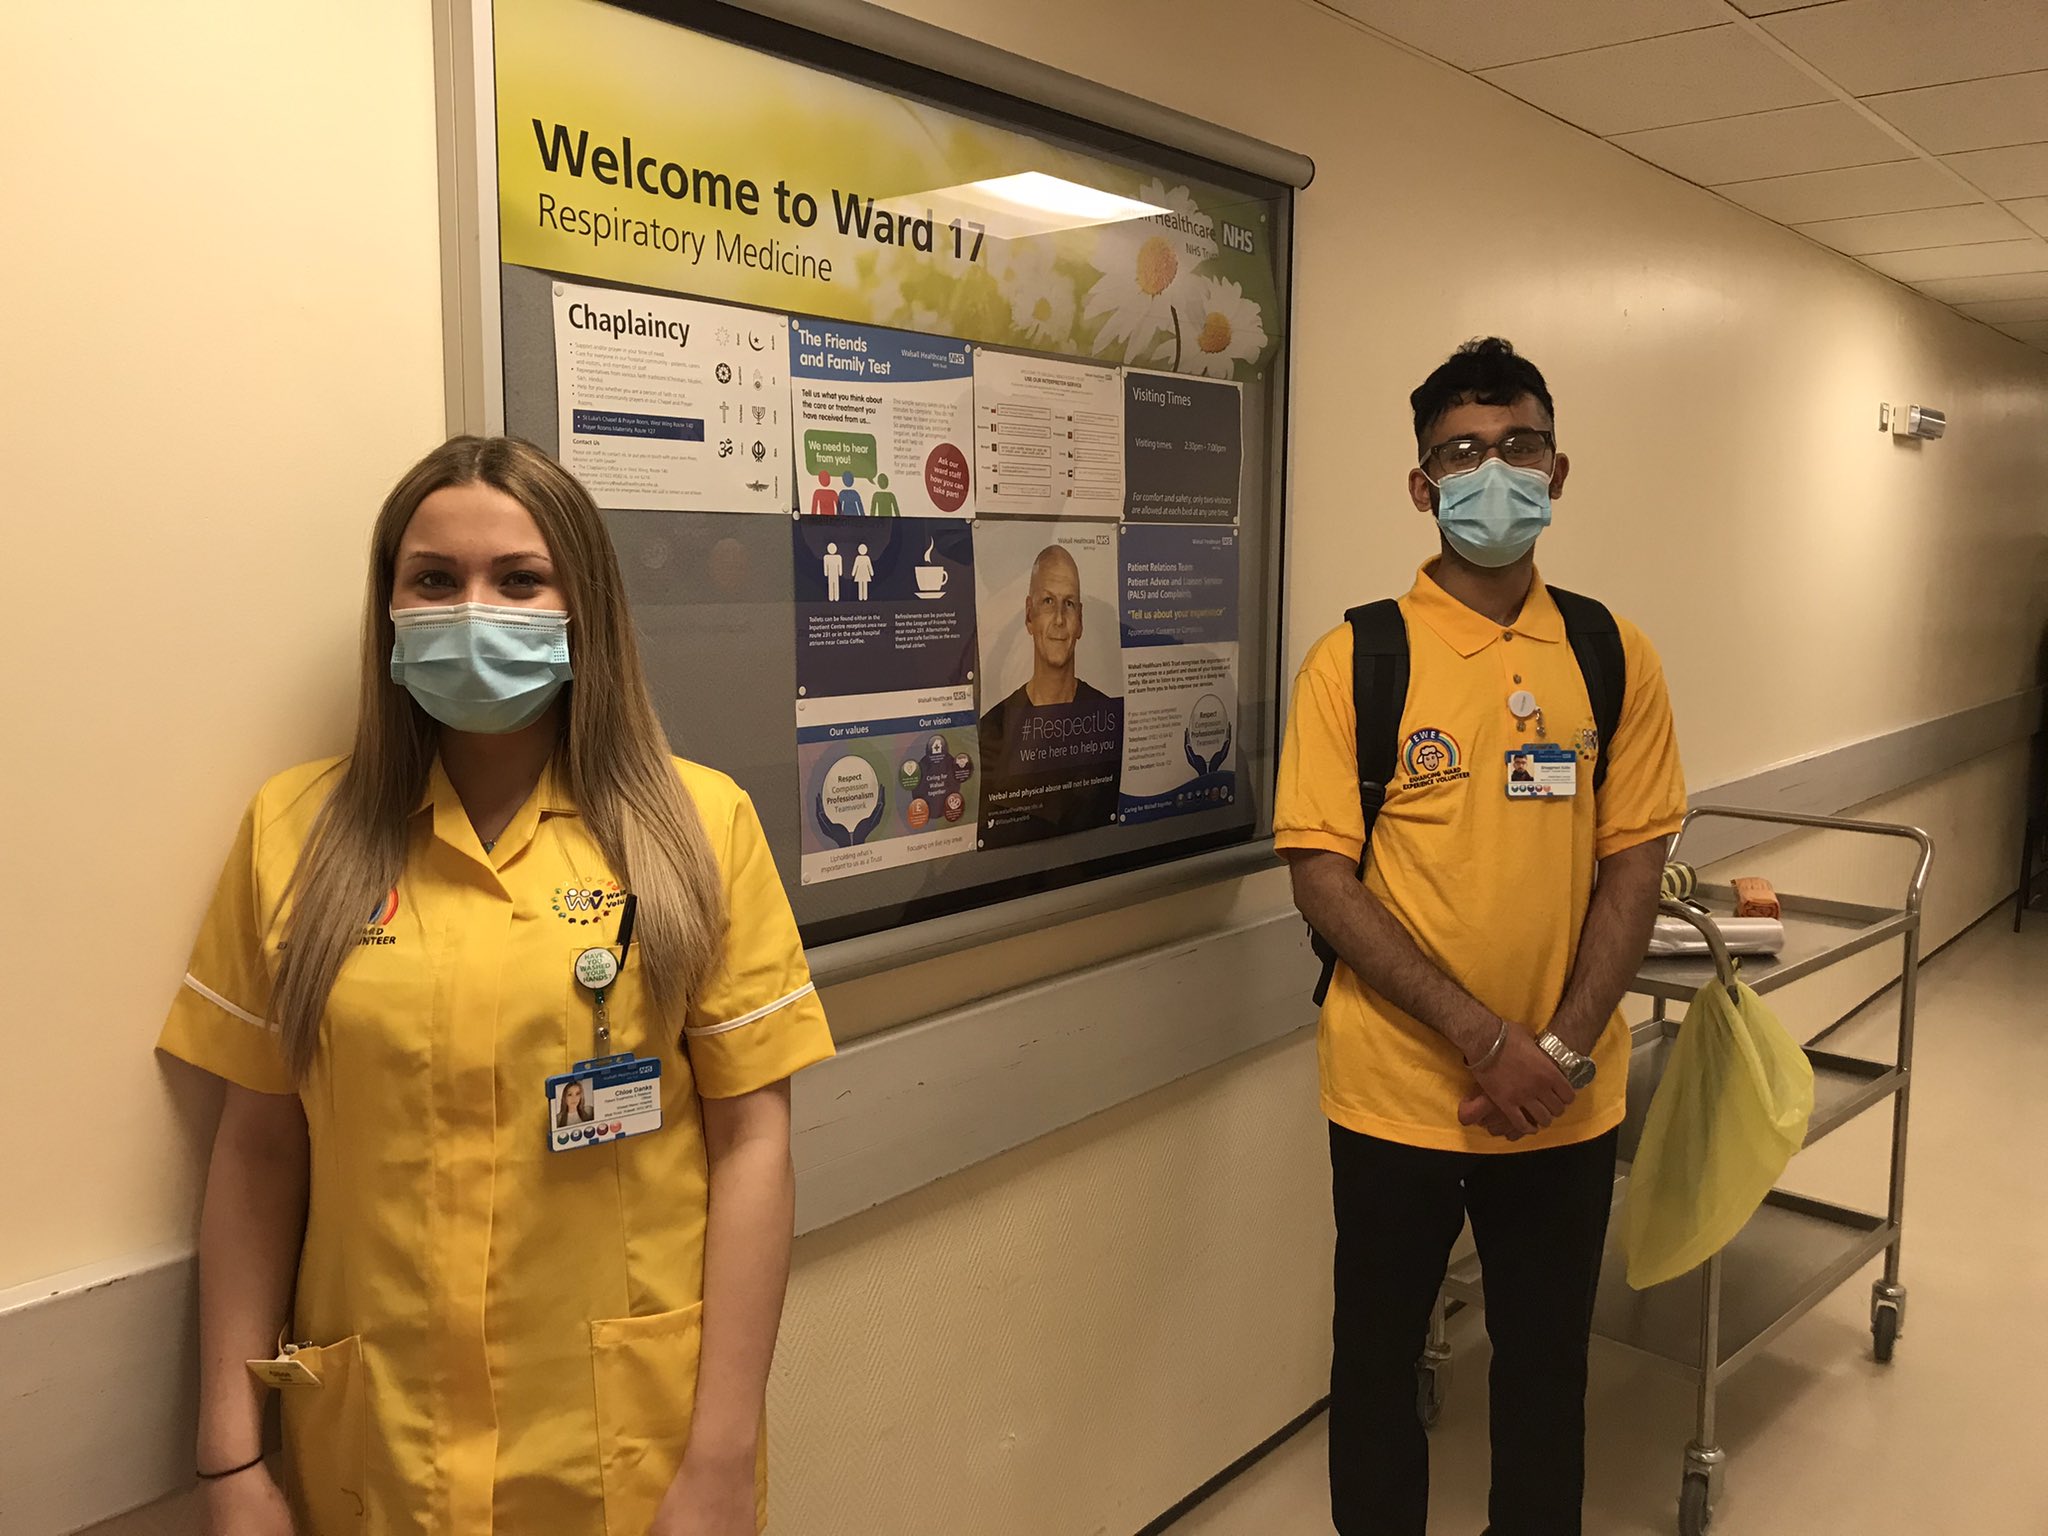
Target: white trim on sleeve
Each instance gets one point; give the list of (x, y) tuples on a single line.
[(748, 1018), (220, 1002)]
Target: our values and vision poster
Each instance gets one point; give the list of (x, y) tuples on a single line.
[(1183, 448), (672, 405), (1052, 683), (885, 707), (884, 421), (1048, 436), (1180, 600)]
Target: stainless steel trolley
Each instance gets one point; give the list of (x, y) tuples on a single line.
[(1795, 1250)]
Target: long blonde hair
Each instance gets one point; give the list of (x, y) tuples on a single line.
[(613, 758)]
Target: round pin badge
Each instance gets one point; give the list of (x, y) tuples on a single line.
[(1522, 704), (597, 969)]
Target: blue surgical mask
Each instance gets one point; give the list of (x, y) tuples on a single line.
[(1493, 515), (480, 667)]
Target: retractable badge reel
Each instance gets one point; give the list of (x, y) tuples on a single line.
[(612, 1095)]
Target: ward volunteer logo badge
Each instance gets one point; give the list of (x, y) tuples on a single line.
[(582, 904), (1431, 756), (376, 930)]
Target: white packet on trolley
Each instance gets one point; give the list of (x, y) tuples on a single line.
[(1742, 935)]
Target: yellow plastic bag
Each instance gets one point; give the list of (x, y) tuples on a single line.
[(1731, 1110)]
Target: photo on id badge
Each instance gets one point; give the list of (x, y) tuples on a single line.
[(600, 1101), (1542, 773)]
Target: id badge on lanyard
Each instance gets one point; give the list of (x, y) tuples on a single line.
[(610, 1096)]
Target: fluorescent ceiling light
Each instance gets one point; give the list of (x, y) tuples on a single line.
[(1028, 203)]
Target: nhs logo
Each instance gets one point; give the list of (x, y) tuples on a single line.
[(1238, 238)]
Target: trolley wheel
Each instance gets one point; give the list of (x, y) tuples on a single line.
[(1429, 1396), (1884, 1333), (1694, 1516)]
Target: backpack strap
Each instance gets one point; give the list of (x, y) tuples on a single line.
[(1379, 693), (1596, 642)]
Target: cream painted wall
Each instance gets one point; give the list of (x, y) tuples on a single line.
[(1071, 1336), (223, 342)]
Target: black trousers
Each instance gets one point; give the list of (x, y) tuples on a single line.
[(1540, 1220)]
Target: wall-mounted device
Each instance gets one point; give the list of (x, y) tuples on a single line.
[(1911, 420)]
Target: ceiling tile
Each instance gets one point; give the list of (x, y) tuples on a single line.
[(2019, 170), (2032, 212), (1478, 34), (1817, 138), (1978, 114), (1718, 72), (1984, 290), (1767, 7), (2006, 311), (1848, 193), (2034, 333), (1867, 46), (1999, 256), (1963, 225)]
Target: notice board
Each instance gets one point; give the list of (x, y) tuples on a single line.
[(940, 435)]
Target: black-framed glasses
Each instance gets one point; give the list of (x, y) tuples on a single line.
[(1523, 448)]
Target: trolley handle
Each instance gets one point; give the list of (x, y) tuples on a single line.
[(1724, 963), (1825, 824)]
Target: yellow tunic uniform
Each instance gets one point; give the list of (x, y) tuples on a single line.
[(1494, 891), (506, 1337)]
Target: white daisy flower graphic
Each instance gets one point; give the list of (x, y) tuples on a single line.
[(1146, 266), (1042, 302), (1220, 328)]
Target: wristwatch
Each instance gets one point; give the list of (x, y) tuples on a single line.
[(1578, 1070)]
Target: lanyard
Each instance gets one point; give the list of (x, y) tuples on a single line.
[(597, 969)]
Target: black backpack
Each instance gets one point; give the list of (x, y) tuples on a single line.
[(1379, 693)]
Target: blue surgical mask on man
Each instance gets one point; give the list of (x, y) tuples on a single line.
[(1494, 514), (481, 667)]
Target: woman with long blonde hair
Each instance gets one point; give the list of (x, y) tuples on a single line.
[(506, 883)]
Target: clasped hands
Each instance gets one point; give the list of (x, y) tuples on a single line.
[(1520, 1092)]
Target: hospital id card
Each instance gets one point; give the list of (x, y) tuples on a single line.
[(1543, 773), (604, 1100)]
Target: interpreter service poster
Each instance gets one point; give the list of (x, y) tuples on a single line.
[(1048, 436), (1051, 678), (885, 707), (1180, 603), (671, 405), (884, 421)]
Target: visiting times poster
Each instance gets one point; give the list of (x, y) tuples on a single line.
[(1180, 599), (672, 405), (885, 712), (884, 421)]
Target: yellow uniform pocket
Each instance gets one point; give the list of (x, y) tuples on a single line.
[(326, 1439), (646, 1378)]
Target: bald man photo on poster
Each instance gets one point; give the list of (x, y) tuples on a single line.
[(1052, 743)]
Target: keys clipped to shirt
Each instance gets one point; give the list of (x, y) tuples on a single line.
[(1542, 773), (609, 1097)]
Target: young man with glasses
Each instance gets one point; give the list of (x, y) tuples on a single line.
[(1486, 921)]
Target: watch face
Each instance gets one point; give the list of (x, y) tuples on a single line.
[(1582, 1073)]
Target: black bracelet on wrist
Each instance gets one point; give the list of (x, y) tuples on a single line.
[(214, 1477)]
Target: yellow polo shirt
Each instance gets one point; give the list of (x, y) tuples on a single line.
[(506, 1336), (1493, 890)]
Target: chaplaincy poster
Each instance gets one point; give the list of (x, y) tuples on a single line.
[(672, 405), (1051, 679), (1180, 601), (884, 421), (885, 668)]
